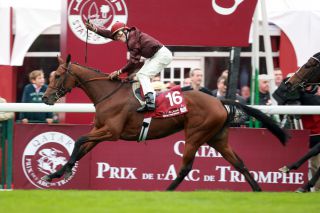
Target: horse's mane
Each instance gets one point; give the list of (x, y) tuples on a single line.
[(103, 73), (92, 69)]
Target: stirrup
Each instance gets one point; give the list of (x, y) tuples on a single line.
[(146, 107)]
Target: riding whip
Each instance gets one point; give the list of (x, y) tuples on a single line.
[(86, 50)]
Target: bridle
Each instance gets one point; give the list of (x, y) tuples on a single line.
[(61, 90), (304, 82)]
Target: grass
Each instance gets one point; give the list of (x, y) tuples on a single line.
[(71, 201)]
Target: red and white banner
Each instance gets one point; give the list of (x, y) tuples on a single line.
[(177, 22), (207, 22), (40, 149)]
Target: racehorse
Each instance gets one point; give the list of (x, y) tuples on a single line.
[(307, 75), (116, 118)]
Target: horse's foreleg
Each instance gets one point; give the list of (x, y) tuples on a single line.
[(85, 148), (76, 150), (66, 170), (312, 152), (83, 145), (188, 158), (311, 183)]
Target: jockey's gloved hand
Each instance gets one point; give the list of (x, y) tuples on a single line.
[(90, 26), (115, 74)]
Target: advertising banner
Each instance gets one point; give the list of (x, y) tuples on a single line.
[(40, 149), (172, 22)]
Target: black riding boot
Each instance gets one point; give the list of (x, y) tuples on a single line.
[(150, 103)]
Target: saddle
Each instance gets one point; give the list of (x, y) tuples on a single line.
[(169, 103)]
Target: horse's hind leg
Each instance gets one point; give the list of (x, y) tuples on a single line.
[(311, 183), (187, 162), (222, 146), (312, 152)]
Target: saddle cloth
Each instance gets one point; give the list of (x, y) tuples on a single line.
[(169, 103)]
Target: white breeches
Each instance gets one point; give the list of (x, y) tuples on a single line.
[(152, 66)]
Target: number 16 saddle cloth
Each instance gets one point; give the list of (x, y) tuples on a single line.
[(169, 103)]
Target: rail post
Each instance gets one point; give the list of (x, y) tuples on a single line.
[(6, 148)]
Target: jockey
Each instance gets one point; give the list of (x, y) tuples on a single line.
[(138, 44)]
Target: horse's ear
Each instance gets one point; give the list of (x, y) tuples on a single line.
[(60, 60), (68, 59)]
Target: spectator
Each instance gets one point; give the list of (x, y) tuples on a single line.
[(196, 78), (186, 82), (5, 115), (245, 93), (225, 73), (221, 90), (32, 93), (264, 94), (278, 77)]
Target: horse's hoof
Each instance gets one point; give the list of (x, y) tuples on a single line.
[(284, 169), (258, 190), (302, 190), (46, 178)]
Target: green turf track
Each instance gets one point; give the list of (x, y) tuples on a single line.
[(68, 201)]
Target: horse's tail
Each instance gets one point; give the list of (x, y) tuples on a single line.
[(267, 121)]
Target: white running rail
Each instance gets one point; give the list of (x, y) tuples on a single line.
[(82, 108)]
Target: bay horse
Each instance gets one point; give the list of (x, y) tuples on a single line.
[(290, 90), (116, 118)]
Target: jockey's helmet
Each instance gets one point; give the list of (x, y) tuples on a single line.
[(116, 27)]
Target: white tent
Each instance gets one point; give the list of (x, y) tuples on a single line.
[(300, 21), (31, 18)]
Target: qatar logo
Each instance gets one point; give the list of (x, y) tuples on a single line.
[(102, 13), (226, 10), (45, 154)]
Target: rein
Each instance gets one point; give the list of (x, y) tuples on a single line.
[(62, 91), (109, 95)]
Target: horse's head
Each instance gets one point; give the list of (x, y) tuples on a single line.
[(308, 74), (62, 82)]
